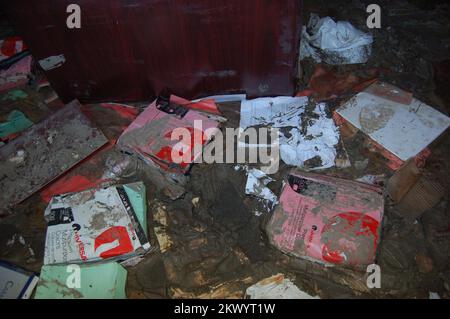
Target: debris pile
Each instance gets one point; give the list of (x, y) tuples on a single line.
[(117, 203)]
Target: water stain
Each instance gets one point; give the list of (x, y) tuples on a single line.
[(375, 118)]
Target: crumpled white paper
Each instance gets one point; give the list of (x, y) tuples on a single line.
[(320, 140), (296, 147), (256, 185)]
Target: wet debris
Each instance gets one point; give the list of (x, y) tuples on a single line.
[(44, 152), (328, 220), (308, 137), (256, 186), (276, 287), (326, 84), (213, 231), (162, 128), (377, 180)]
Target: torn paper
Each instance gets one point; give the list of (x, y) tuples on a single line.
[(256, 185), (283, 111), (276, 287), (304, 136)]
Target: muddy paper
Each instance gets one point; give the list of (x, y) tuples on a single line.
[(328, 220), (153, 136), (403, 130), (95, 225), (276, 287), (256, 185), (303, 136)]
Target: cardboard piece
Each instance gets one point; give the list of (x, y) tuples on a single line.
[(16, 283), (327, 220), (46, 151), (403, 180), (97, 281), (404, 130), (413, 191), (97, 224), (425, 194)]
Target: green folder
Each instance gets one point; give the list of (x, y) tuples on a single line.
[(96, 281)]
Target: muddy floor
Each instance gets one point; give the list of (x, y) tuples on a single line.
[(210, 243)]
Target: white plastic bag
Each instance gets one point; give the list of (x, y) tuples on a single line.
[(334, 42)]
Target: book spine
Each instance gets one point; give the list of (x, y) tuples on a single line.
[(134, 220)]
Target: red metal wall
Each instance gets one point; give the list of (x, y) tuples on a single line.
[(132, 49)]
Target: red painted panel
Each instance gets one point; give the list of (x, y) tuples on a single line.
[(132, 49)]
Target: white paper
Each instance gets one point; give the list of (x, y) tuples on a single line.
[(320, 140), (283, 111), (276, 289), (256, 185), (296, 148)]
